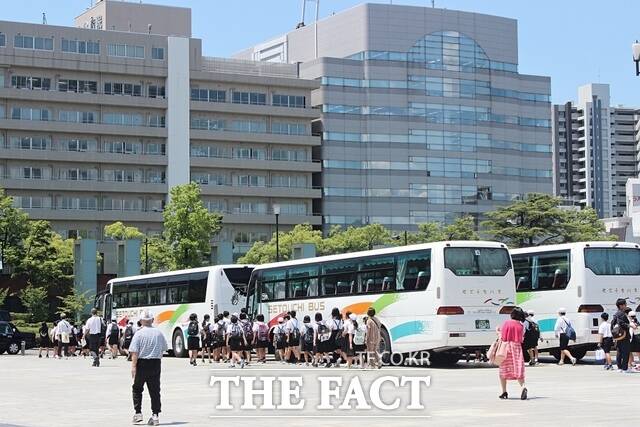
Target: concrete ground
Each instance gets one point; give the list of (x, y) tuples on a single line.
[(48, 392)]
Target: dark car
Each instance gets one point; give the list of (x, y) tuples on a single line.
[(11, 338), (5, 315)]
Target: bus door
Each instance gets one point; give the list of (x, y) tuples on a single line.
[(104, 304)]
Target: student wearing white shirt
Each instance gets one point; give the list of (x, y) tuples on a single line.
[(93, 331), (64, 332), (562, 324), (348, 333), (292, 328), (606, 340), (280, 339)]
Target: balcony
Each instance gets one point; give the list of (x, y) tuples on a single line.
[(255, 164), (257, 110), (83, 128), (266, 138), (270, 219), (284, 192), (59, 214), (86, 98), (83, 156), (83, 185)]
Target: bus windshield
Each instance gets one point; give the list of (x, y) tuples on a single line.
[(477, 261), (612, 261)]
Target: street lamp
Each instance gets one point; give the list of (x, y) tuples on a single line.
[(635, 49), (276, 211)]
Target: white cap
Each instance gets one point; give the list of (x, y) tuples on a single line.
[(280, 320), (235, 314), (146, 315), (530, 312), (352, 316), (562, 310), (632, 313)]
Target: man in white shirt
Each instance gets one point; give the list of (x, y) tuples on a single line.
[(147, 347), (64, 331), (292, 329), (93, 329)]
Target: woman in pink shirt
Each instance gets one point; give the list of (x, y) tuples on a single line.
[(512, 368)]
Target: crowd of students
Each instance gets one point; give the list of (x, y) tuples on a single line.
[(343, 338), (65, 339)]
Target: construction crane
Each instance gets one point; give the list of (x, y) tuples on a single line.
[(304, 9)]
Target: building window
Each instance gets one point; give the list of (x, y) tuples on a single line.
[(156, 121), (249, 126), (292, 101), (157, 53), (209, 95), (125, 50), (119, 88), (289, 128), (30, 143), (32, 173), (29, 82), (80, 46), (123, 119), (77, 116), (78, 86), (253, 98), (155, 148), (18, 113), (30, 42), (3, 40), (156, 91)]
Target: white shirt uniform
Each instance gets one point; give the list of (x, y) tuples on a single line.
[(94, 325), (605, 330)]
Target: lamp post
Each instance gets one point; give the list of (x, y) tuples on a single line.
[(146, 255), (276, 212), (635, 49)]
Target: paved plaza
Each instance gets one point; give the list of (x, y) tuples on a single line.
[(48, 392)]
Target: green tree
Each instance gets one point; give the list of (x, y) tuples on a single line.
[(583, 225), (264, 252), (119, 231), (160, 255), (462, 228), (4, 293), (34, 299), (427, 232), (14, 224), (353, 239), (44, 258), (189, 226), (73, 303), (539, 220)]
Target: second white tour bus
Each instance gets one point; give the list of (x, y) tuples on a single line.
[(584, 278), (447, 297), (173, 296)]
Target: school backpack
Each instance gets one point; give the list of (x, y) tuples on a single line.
[(359, 335), (532, 335), (263, 332), (236, 330), (617, 332), (279, 333), (569, 331), (114, 330), (308, 335), (192, 330), (295, 333), (247, 329), (324, 333), (128, 332)]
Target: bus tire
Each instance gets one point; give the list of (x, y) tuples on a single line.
[(579, 353), (385, 346), (444, 359), (178, 346)]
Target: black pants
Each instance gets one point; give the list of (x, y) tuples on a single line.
[(622, 354), (94, 344), (62, 346), (147, 371)]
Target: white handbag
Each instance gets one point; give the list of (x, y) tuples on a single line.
[(600, 354)]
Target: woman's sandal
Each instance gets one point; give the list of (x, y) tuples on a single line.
[(523, 395), (504, 396)]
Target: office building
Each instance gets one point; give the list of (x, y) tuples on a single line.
[(425, 116), (97, 124), (594, 151)]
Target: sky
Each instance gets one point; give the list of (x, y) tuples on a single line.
[(573, 41)]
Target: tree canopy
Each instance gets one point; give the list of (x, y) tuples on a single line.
[(14, 224), (119, 231), (539, 220), (189, 226)]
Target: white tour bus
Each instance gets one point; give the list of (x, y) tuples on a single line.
[(586, 278), (447, 297), (173, 296)]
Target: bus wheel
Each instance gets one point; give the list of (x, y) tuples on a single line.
[(579, 353), (178, 344), (444, 359), (385, 346)]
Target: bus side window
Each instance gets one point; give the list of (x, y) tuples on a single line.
[(413, 271)]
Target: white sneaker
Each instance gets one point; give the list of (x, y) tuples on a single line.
[(233, 365), (574, 361), (154, 420), (242, 363), (137, 419)]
